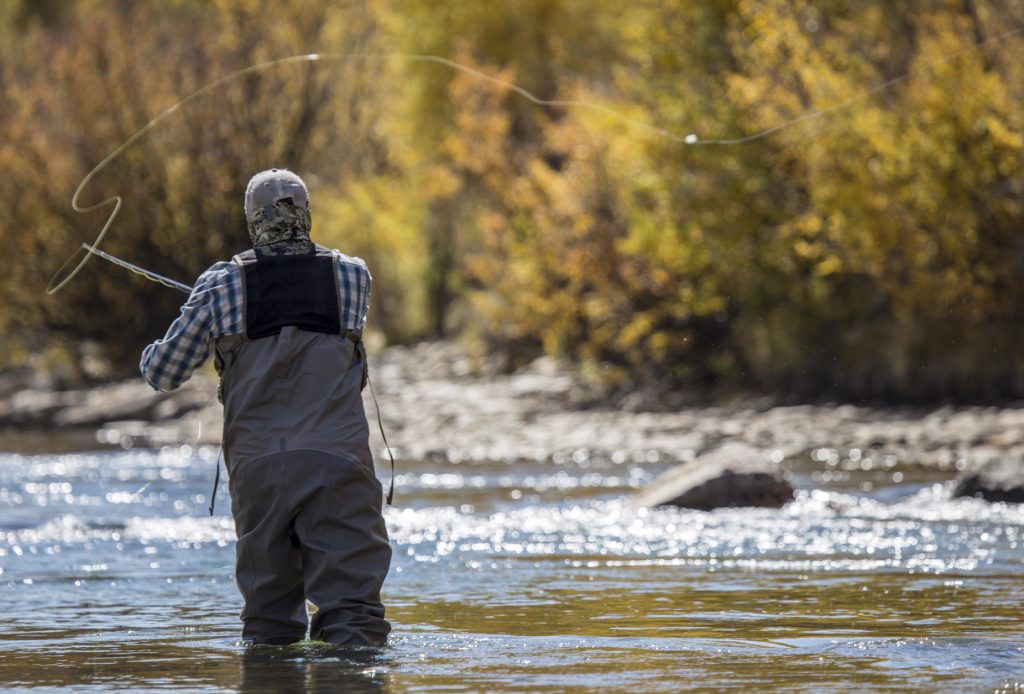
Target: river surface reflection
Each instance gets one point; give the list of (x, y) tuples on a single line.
[(521, 577)]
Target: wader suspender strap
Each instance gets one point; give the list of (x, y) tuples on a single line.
[(376, 406), (216, 480)]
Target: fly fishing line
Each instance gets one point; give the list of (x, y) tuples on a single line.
[(81, 256)]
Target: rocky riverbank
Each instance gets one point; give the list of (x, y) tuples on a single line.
[(437, 402)]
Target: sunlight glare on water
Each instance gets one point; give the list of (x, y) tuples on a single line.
[(516, 576)]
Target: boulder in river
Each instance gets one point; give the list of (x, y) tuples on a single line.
[(998, 479), (733, 475)]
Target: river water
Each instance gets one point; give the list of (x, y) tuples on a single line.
[(529, 576)]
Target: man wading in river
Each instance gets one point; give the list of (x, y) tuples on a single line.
[(285, 320)]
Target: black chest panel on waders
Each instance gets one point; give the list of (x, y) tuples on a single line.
[(296, 290)]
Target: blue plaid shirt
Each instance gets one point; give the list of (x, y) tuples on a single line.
[(215, 309)]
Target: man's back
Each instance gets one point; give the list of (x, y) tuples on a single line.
[(297, 390)]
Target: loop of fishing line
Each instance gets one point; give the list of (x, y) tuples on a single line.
[(692, 139)]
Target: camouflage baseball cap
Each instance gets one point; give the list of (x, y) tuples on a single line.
[(267, 188)]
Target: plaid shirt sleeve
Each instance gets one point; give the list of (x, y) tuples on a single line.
[(214, 308), (354, 282)]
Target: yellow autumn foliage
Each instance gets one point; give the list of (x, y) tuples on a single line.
[(867, 245)]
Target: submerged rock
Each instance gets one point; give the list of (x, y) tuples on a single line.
[(732, 475), (999, 479)]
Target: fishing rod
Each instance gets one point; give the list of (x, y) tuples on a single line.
[(148, 274)]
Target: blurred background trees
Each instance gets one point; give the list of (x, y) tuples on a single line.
[(873, 252)]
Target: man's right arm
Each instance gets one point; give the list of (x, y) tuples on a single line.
[(169, 362)]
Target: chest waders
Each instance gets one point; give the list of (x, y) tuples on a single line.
[(300, 291), (305, 499)]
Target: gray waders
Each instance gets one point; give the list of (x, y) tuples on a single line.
[(306, 502)]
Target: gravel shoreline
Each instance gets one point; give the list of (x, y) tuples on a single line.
[(435, 404)]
